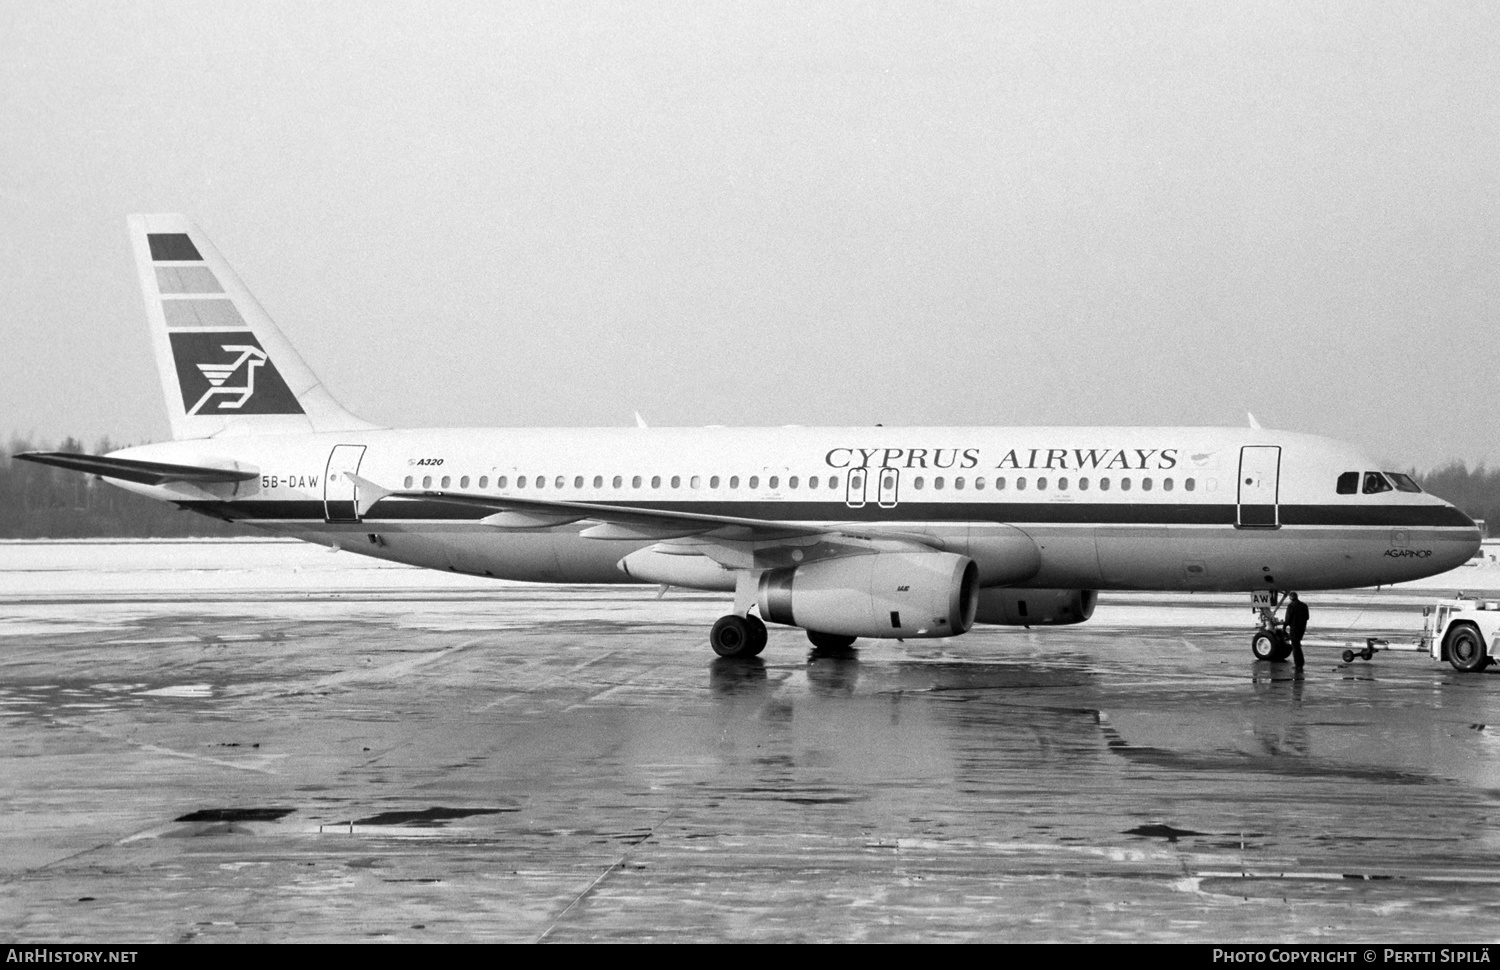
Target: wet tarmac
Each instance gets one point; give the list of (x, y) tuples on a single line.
[(512, 763)]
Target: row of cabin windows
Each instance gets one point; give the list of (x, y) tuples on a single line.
[(1061, 484), (636, 481), (1375, 482), (793, 482)]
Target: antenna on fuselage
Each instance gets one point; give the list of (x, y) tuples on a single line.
[(640, 422), (1253, 423)]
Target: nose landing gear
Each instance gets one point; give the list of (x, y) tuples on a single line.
[(1270, 641)]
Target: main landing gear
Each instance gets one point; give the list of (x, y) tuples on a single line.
[(738, 636), (830, 641)]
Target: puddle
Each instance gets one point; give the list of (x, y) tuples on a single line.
[(434, 816), (236, 815), (1161, 832)]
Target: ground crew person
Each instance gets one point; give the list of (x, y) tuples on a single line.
[(1296, 625)]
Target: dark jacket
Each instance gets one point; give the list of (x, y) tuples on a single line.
[(1296, 618)]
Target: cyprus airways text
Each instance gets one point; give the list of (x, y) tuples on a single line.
[(1041, 459)]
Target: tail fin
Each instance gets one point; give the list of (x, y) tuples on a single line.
[(225, 367)]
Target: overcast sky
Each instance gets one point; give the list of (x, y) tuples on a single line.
[(759, 213)]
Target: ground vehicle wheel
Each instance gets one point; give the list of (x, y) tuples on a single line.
[(758, 636), (1466, 649), (1348, 656), (731, 637), (830, 641)]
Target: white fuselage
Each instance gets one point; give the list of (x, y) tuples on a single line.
[(1105, 508)]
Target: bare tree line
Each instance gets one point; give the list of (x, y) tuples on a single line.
[(37, 501)]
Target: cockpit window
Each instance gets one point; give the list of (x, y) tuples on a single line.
[(1375, 482), (1348, 483), (1403, 482)]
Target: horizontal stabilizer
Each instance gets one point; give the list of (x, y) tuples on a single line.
[(142, 472)]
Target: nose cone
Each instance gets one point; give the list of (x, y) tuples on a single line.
[(1457, 544)]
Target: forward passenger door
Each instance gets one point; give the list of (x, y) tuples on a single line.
[(1259, 487)]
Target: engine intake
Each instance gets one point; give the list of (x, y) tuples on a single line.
[(883, 595)]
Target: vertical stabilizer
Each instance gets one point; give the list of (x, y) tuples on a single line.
[(225, 367)]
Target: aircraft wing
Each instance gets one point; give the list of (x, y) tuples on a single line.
[(133, 470), (630, 522)]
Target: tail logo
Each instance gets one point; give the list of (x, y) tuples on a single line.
[(229, 373)]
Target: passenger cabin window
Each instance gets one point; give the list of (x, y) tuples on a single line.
[(408, 482), (484, 481), (833, 481), (656, 481), (635, 482), (1375, 482), (426, 481), (755, 481), (1348, 483), (734, 481), (775, 481)]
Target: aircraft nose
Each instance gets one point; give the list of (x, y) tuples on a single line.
[(1461, 544)]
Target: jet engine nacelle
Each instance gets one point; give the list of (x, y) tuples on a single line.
[(1036, 607), (882, 595)]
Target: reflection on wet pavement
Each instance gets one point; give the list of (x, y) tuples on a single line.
[(585, 768)]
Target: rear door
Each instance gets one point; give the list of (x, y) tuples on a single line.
[(340, 494), (1259, 487)]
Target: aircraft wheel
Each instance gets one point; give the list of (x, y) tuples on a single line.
[(732, 637), (758, 635), (830, 641), (1367, 654), (1466, 649), (1348, 656), (1269, 645)]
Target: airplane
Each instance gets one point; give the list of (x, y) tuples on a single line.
[(844, 532)]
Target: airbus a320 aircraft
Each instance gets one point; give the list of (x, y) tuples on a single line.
[(844, 532)]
